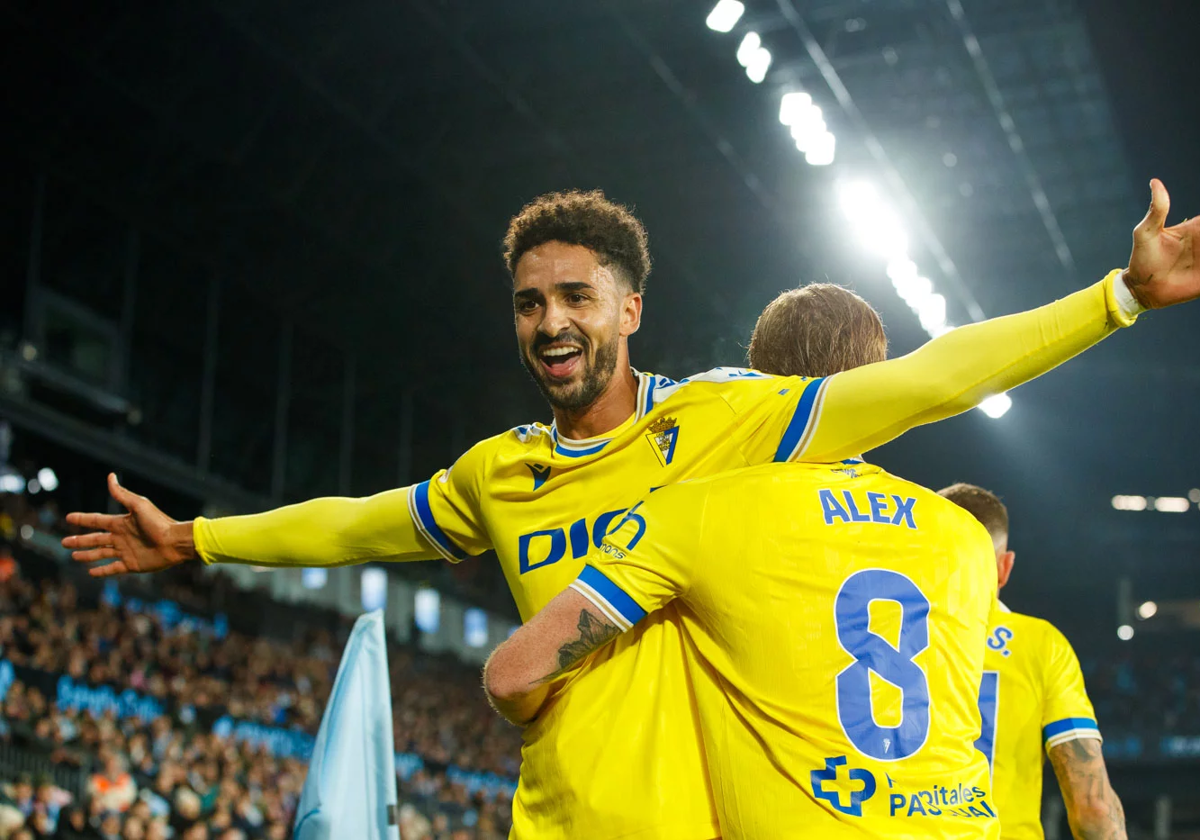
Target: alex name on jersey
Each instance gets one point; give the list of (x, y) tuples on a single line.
[(836, 615)]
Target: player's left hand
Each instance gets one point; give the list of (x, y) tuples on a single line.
[(1164, 268)]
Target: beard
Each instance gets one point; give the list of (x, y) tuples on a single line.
[(586, 387)]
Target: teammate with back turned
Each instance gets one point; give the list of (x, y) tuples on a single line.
[(801, 587), (1032, 699), (542, 496)]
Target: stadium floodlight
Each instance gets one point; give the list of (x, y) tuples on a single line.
[(1124, 632), (1147, 610), (756, 70), (808, 133), (913, 290), (809, 128), (47, 478), (823, 151), (877, 225), (1129, 502), (725, 15), (932, 312), (901, 270), (34, 487), (793, 106), (1172, 504), (857, 199), (11, 482), (750, 45), (996, 406)]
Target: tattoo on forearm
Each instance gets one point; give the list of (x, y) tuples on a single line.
[(593, 633), (1093, 808)]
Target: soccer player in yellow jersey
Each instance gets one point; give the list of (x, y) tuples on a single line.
[(543, 496), (835, 618), (1032, 699)]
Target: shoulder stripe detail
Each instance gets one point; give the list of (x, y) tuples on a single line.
[(422, 516), (799, 429), (666, 388), (1068, 729), (609, 598)]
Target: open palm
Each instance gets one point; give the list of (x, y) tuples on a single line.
[(143, 540), (1164, 268)]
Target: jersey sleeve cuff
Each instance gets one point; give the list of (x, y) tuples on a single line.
[(804, 421), (1069, 729), (1122, 306), (609, 598), (422, 517), (200, 540)]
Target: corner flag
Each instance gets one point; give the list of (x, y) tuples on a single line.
[(350, 790)]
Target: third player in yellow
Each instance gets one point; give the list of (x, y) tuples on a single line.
[(1033, 703)]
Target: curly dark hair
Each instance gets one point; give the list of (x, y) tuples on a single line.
[(589, 219)]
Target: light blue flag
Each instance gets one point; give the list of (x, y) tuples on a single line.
[(350, 791)]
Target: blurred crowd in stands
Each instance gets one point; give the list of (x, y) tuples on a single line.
[(171, 775)]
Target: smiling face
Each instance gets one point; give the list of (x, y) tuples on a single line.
[(572, 317)]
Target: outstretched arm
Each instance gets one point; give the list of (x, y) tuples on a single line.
[(518, 674), (1093, 809), (321, 532), (858, 410)]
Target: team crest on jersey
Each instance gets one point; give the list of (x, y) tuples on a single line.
[(540, 474), (663, 435)]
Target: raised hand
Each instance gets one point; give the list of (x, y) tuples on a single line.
[(143, 540), (1164, 268)]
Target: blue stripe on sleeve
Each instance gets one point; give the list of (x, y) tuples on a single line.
[(429, 524), (613, 594), (799, 423), (1066, 725)]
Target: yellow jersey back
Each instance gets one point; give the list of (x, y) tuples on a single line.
[(1031, 699), (836, 618)]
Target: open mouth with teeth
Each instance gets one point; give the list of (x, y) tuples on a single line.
[(560, 360)]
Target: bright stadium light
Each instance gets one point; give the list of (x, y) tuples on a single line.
[(808, 133), (1172, 504), (914, 290), (878, 226), (823, 150), (1147, 609), (34, 487), (901, 269), (793, 106), (996, 406), (725, 15), (1129, 502), (932, 313), (1124, 632), (750, 45), (11, 482), (808, 128), (47, 479), (756, 70)]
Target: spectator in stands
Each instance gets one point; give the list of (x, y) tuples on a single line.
[(113, 787), (74, 826)]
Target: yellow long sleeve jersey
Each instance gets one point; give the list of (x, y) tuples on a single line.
[(835, 617), (1031, 699), (542, 502)]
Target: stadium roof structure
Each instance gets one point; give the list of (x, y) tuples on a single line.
[(333, 180)]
